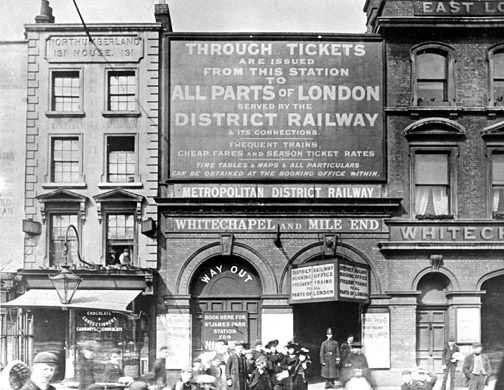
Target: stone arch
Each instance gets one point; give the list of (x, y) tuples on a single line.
[(198, 258), (487, 277), (343, 250), (445, 271), (434, 126)]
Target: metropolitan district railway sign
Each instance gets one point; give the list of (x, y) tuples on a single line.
[(270, 109), (332, 280)]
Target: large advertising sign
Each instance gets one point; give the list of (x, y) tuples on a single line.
[(331, 280), (276, 109)]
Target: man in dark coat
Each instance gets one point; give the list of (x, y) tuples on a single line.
[(449, 363), (356, 363), (330, 359), (112, 370), (43, 369), (477, 368), (499, 385), (236, 369), (160, 367)]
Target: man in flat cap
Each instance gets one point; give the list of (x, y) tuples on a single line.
[(43, 369), (330, 359), (477, 368), (449, 363), (236, 369)]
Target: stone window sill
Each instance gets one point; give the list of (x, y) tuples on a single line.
[(120, 114), (65, 114), (64, 185), (135, 184)]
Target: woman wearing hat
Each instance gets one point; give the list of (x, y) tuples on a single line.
[(274, 361), (330, 359), (301, 371), (14, 375)]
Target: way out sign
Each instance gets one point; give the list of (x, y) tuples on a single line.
[(333, 280), (231, 326)]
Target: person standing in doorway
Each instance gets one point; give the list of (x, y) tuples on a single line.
[(160, 367), (477, 368), (236, 369), (330, 359), (346, 347), (449, 363), (43, 369)]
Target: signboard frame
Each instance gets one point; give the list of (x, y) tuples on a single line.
[(386, 364), (337, 296), (227, 312), (258, 37)]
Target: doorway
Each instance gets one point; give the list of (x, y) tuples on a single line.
[(431, 323), (225, 284), (311, 321), (492, 318)]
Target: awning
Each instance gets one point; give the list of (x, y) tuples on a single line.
[(111, 300)]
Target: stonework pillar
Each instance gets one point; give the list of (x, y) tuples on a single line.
[(277, 320)]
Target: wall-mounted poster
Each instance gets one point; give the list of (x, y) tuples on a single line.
[(376, 338), (229, 326), (468, 325)]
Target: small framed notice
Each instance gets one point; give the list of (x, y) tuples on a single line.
[(468, 325), (376, 338)]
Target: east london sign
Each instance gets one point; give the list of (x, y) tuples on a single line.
[(459, 8), (270, 109)]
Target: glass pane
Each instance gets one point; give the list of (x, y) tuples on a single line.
[(498, 60), (431, 66), (431, 168), (498, 168), (431, 91), (498, 90)]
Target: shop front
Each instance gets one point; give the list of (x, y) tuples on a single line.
[(99, 318)]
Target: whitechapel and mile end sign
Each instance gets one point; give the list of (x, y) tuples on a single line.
[(273, 109)]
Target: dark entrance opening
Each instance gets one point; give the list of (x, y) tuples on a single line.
[(311, 321), (492, 318), (225, 284)]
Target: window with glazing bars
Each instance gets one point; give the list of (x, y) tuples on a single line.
[(121, 91), (120, 238), (65, 163), (66, 91), (121, 159), (498, 183), (432, 77), (58, 227), (432, 184)]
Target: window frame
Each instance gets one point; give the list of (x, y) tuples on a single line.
[(491, 150), (452, 152), (61, 211), (121, 113), (434, 47), (104, 183), (49, 183), (51, 111), (496, 49), (116, 208)]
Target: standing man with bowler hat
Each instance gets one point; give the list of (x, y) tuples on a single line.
[(329, 358), (449, 363), (477, 368), (43, 369)]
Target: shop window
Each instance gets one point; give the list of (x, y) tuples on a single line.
[(121, 159), (497, 169), (65, 160), (121, 91), (120, 238), (432, 74), (66, 91), (432, 184)]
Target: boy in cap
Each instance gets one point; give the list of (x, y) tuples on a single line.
[(407, 381), (260, 379), (184, 383), (477, 368), (43, 369), (236, 369), (449, 363), (330, 359)]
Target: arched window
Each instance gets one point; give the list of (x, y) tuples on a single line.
[(496, 71), (432, 75)]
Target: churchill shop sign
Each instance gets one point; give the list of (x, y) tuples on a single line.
[(334, 280)]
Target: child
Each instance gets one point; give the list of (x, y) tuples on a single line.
[(260, 379), (184, 383)]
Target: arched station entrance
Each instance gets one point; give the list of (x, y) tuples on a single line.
[(492, 318), (225, 303), (432, 320)]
